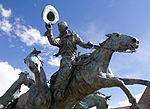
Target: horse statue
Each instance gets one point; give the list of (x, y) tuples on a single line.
[(39, 95), (12, 93), (95, 73), (95, 99), (88, 77)]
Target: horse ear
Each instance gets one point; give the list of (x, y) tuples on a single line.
[(108, 97), (117, 34), (108, 35), (96, 47), (35, 51)]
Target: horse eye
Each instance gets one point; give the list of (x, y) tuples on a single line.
[(117, 35), (25, 61)]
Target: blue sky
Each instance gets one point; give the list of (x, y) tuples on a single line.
[(22, 28)]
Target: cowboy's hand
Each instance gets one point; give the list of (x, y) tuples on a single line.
[(90, 44), (49, 29), (48, 26)]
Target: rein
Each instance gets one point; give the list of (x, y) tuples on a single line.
[(101, 45)]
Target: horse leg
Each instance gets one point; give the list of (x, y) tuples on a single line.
[(130, 96), (102, 106), (112, 82), (129, 81), (80, 106)]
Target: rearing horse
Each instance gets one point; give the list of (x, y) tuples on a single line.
[(39, 95), (95, 99), (95, 74)]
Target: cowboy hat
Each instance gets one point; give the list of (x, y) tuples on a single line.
[(50, 15)]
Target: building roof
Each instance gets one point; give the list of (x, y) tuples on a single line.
[(144, 102), (145, 99)]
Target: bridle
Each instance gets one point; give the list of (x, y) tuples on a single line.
[(102, 45)]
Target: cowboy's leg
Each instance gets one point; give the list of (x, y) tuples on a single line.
[(53, 78), (62, 82), (63, 76)]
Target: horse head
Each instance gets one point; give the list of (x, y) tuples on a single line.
[(33, 61), (26, 79), (120, 42), (39, 95), (102, 100)]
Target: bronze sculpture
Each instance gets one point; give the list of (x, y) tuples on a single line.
[(67, 42), (39, 95), (11, 94), (96, 99), (93, 75), (91, 71)]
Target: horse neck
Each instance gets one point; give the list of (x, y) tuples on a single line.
[(102, 57), (13, 89), (40, 78)]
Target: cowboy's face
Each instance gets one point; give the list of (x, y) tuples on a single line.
[(61, 29)]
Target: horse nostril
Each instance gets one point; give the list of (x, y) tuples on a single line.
[(133, 40), (36, 64), (30, 68)]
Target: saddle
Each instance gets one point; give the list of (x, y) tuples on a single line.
[(82, 59), (79, 61)]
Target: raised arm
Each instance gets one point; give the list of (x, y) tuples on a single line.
[(49, 34), (81, 43)]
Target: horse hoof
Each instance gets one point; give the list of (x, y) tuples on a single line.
[(134, 106), (148, 83)]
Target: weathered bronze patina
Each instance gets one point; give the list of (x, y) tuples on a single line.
[(78, 77)]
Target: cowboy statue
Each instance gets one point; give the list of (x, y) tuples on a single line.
[(67, 42)]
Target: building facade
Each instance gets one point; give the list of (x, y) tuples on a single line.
[(144, 102)]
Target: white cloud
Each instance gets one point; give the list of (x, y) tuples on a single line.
[(8, 76), (27, 34), (123, 103), (30, 36), (11, 46), (126, 102), (54, 61), (5, 13), (5, 26)]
